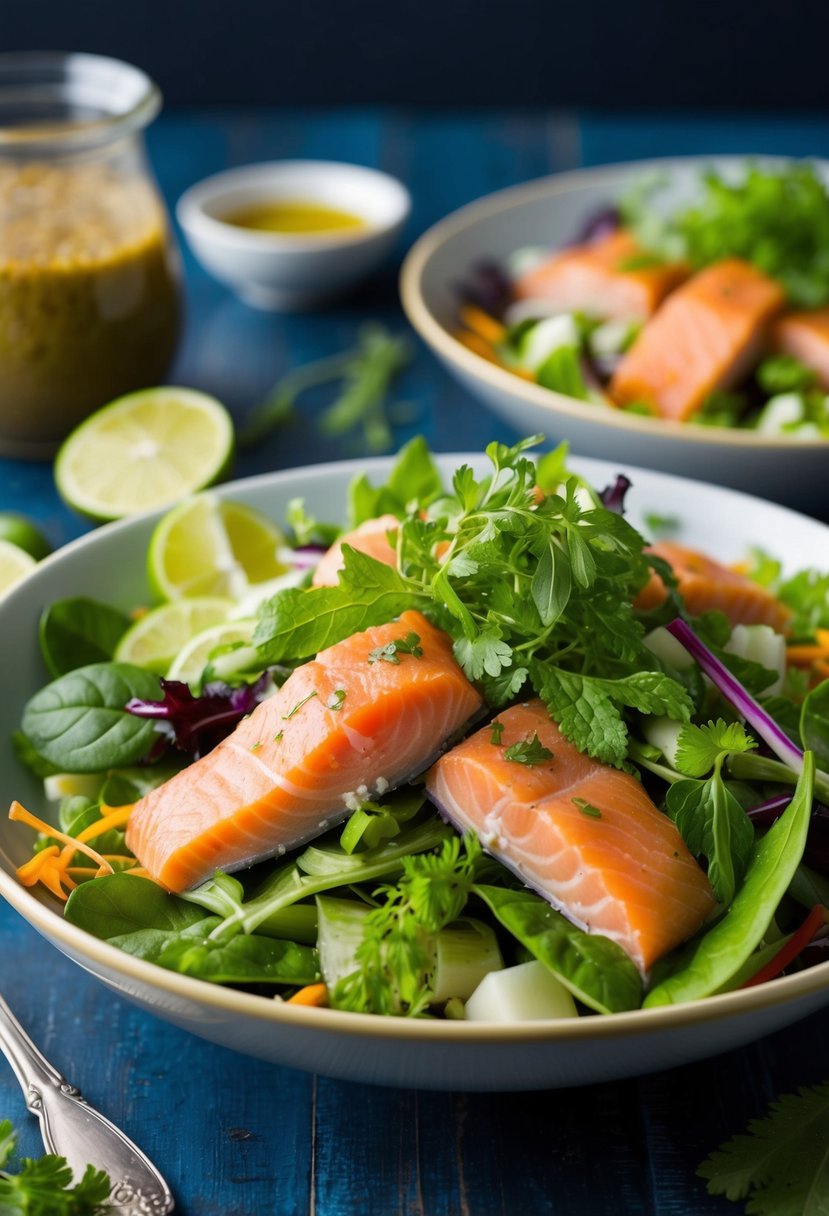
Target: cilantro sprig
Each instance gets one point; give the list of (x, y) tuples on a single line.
[(536, 592), (44, 1186), (782, 1163)]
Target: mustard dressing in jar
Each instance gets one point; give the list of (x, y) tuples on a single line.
[(89, 276)]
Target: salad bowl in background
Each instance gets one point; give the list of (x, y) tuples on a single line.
[(549, 213), (109, 564)]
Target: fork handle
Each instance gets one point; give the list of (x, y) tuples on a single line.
[(75, 1130)]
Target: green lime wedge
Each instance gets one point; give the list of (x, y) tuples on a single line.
[(207, 547), (20, 531), (197, 653), (144, 451), (15, 564), (157, 637)]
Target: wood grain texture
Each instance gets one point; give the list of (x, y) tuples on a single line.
[(238, 1137)]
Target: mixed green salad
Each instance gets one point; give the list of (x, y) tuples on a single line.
[(535, 577), (571, 319)]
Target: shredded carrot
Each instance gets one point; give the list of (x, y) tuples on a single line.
[(311, 994), (482, 324), (111, 817), (53, 869), (476, 343)]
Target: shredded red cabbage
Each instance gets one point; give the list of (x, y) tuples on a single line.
[(196, 724), (738, 696), (613, 497)]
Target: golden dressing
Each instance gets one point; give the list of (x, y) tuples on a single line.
[(293, 216)]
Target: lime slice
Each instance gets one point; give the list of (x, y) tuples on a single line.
[(15, 564), (194, 657), (156, 638), (208, 547), (20, 531), (144, 451)]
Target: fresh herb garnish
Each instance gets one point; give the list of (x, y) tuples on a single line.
[(299, 705), (497, 729), (337, 699), (532, 592), (366, 374), (44, 1186), (659, 525), (781, 1165), (586, 808), (529, 751), (397, 948), (776, 219), (390, 653)]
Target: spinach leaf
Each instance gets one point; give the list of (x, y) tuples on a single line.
[(30, 758), (119, 904), (814, 723), (76, 632), (241, 960), (707, 964), (79, 723), (592, 967), (712, 822)]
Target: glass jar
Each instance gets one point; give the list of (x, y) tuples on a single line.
[(89, 273)]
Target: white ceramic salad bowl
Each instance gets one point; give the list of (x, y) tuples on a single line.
[(109, 564), (549, 213)]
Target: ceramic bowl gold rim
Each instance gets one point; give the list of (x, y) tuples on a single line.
[(441, 340)]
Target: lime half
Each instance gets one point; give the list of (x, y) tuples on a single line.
[(23, 532), (15, 564), (195, 656), (207, 547), (144, 451), (156, 638)]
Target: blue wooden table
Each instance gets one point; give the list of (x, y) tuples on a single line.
[(237, 1137)]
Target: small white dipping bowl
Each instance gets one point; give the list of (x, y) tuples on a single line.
[(288, 272)]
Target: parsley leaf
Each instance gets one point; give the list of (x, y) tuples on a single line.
[(782, 1163), (43, 1186), (390, 653), (699, 748), (398, 947), (529, 751)]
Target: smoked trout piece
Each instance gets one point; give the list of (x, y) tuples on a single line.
[(805, 335), (586, 837), (705, 337), (349, 725), (608, 278), (706, 586)]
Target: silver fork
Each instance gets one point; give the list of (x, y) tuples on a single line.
[(73, 1129)]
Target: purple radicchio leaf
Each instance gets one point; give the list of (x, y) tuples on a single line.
[(195, 724), (613, 497)]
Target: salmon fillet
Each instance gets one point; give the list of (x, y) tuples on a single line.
[(592, 279), (705, 337), (370, 537), (299, 763), (805, 335), (705, 586), (585, 836)]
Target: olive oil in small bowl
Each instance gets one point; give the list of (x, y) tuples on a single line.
[(295, 217), (293, 235)]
